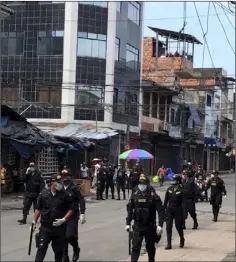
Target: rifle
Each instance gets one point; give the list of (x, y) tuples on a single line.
[(31, 237), (130, 239)]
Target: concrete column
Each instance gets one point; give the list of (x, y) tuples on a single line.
[(69, 61), (166, 109), (150, 104), (110, 62)]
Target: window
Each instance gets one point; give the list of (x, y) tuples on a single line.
[(12, 43), (132, 57), (118, 6), (131, 104), (117, 54), (50, 42), (208, 100), (172, 116), (101, 4), (91, 45), (134, 12)]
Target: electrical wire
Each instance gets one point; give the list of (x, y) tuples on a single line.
[(223, 28), (228, 18)]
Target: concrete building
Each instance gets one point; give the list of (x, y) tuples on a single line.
[(74, 62)]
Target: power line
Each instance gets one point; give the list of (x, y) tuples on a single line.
[(223, 29), (227, 17)]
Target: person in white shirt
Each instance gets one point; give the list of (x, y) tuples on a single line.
[(84, 171)]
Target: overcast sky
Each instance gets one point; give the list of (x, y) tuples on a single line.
[(169, 15)]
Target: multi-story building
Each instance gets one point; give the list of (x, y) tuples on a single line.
[(74, 62), (175, 127)]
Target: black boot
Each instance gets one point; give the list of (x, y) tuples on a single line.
[(113, 197), (106, 196), (181, 244), (76, 254), (23, 220), (124, 197), (195, 224), (168, 246)]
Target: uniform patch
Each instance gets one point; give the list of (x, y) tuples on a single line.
[(177, 192), (142, 200), (213, 184)]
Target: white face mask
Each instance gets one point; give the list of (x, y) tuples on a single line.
[(142, 187)]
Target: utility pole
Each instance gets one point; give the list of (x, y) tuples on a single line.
[(234, 128), (216, 148)]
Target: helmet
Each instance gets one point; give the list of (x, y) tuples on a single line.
[(176, 179)]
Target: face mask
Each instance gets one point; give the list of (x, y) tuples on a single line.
[(32, 169), (142, 187), (58, 186), (173, 182)]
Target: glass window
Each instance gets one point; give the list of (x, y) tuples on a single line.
[(132, 57), (118, 6), (91, 45), (12, 43), (208, 100), (117, 51), (101, 4), (134, 12), (50, 42)]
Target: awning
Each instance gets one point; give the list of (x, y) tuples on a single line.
[(194, 114), (82, 132)]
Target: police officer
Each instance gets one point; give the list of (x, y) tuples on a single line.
[(217, 186), (142, 207), (101, 176), (55, 207), (72, 225), (173, 206), (189, 193), (109, 180), (120, 181), (134, 176), (34, 184)]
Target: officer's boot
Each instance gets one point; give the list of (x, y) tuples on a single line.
[(168, 246), (112, 195), (214, 213), (23, 220), (195, 223), (76, 254), (124, 196), (217, 209), (106, 193), (118, 194)]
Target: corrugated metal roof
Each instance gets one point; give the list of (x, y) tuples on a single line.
[(80, 132)]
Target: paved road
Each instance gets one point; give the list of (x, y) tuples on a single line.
[(103, 237)]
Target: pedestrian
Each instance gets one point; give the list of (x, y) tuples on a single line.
[(100, 182), (120, 181), (55, 207), (142, 207), (34, 184), (84, 171), (109, 180), (79, 214), (173, 206), (217, 186), (189, 193), (161, 174)]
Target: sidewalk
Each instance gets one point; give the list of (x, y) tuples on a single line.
[(213, 243)]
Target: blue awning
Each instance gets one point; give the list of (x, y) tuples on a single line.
[(194, 114)]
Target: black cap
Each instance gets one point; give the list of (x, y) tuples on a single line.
[(55, 178), (177, 178)]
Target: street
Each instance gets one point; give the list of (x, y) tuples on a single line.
[(103, 237)]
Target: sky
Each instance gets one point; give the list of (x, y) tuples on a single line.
[(169, 15)]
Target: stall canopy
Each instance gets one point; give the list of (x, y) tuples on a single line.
[(79, 131), (24, 136)]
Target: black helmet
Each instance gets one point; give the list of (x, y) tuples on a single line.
[(177, 178)]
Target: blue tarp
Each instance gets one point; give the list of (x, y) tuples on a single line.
[(169, 174), (194, 114)]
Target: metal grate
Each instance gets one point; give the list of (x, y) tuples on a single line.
[(48, 161)]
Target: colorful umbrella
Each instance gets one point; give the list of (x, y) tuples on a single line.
[(136, 154)]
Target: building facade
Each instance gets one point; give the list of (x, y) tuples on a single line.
[(72, 60)]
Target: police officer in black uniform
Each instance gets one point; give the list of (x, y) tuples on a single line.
[(189, 193), (120, 181), (142, 208), (101, 178), (109, 180), (134, 176), (173, 206), (72, 224), (217, 186), (34, 184), (55, 207)]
